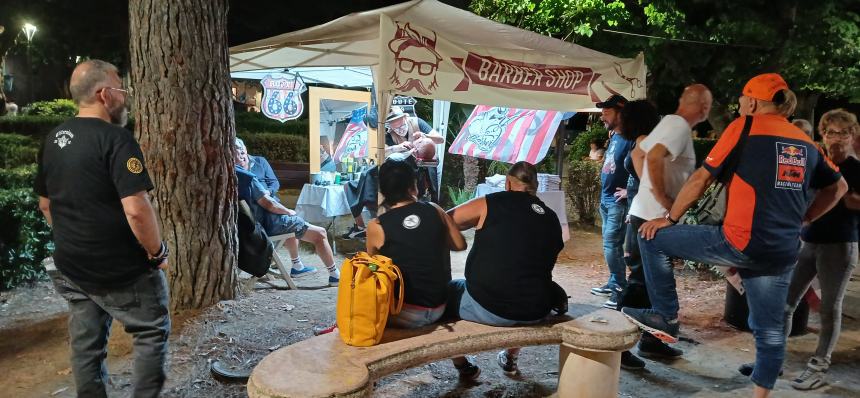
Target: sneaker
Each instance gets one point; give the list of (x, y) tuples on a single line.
[(508, 363), (652, 322), (354, 232), (605, 290), (652, 347), (468, 371), (614, 298), (747, 369), (631, 362), (298, 273), (810, 379), (333, 282)]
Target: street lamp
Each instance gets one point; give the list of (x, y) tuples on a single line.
[(29, 31)]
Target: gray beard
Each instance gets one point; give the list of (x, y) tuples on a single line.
[(119, 116)]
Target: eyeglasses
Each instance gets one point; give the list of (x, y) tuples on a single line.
[(836, 133), (127, 91)]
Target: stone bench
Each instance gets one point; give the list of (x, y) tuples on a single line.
[(591, 340)]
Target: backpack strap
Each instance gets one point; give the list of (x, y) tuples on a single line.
[(728, 171)]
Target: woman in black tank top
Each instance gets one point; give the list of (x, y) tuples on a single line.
[(509, 268), (418, 237)]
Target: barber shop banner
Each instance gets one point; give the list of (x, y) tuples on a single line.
[(353, 142), (416, 61), (507, 134)]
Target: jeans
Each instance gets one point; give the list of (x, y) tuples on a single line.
[(766, 287), (632, 255), (411, 317), (612, 215), (833, 263), (142, 309), (469, 309)]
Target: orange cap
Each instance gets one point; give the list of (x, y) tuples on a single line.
[(764, 86)]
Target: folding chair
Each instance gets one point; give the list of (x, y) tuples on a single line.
[(276, 268), (280, 270)]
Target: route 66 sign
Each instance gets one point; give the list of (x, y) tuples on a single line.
[(282, 97)]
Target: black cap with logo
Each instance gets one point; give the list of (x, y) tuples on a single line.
[(615, 101)]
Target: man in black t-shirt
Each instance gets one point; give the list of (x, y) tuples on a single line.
[(92, 185)]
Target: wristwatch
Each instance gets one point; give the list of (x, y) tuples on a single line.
[(671, 220)]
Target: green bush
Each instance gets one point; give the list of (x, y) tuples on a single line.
[(25, 238), (459, 196), (278, 147), (582, 144), (255, 122), (583, 189), (17, 150), (702, 146), (19, 177), (58, 107), (29, 125)]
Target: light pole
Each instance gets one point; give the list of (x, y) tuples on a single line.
[(29, 31)]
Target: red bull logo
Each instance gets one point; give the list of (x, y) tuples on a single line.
[(791, 166), (791, 151)]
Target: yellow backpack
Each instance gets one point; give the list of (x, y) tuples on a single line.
[(370, 288)]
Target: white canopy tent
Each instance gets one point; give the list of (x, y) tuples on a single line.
[(340, 76), (424, 48)]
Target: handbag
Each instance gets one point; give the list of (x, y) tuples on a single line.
[(711, 209), (255, 250), (370, 288)]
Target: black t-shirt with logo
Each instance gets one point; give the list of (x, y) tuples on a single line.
[(509, 269), (86, 166), (838, 225)]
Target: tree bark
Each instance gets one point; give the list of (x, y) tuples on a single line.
[(471, 172), (184, 120), (806, 102)]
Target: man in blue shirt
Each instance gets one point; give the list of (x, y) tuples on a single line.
[(276, 219), (613, 207)]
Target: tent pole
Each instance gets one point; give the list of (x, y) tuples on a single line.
[(559, 148)]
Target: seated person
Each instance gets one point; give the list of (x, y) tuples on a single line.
[(277, 219), (361, 194), (509, 268), (597, 152), (417, 236), (261, 169)]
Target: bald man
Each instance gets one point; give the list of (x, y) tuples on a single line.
[(92, 184), (667, 159)]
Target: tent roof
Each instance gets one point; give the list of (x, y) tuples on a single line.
[(353, 40), (352, 76)]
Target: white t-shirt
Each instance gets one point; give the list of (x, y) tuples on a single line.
[(674, 133)]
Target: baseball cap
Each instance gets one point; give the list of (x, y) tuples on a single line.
[(615, 101), (765, 86), (396, 113)]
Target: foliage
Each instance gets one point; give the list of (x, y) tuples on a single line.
[(58, 107), (17, 150), (19, 177), (497, 167), (815, 45), (30, 125), (581, 146), (459, 195), (25, 238), (583, 189), (278, 147), (702, 147), (255, 122)]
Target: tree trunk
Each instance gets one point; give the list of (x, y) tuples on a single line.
[(184, 119), (471, 172), (806, 102)]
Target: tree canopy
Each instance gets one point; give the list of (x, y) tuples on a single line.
[(814, 44)]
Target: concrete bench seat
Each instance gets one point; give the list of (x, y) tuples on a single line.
[(591, 341)]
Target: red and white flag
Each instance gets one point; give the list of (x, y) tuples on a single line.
[(353, 142), (507, 134)]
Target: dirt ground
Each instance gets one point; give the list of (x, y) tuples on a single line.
[(34, 343)]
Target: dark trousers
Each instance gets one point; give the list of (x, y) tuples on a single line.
[(142, 307)]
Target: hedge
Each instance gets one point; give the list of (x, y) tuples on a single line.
[(17, 150), (255, 122), (58, 107), (581, 146), (34, 126), (19, 177), (278, 147), (25, 238)]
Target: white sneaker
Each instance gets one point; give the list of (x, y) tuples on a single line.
[(810, 379)]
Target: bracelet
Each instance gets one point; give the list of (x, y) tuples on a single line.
[(159, 257), (669, 218), (162, 251)]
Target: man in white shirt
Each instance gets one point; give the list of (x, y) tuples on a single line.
[(667, 159)]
